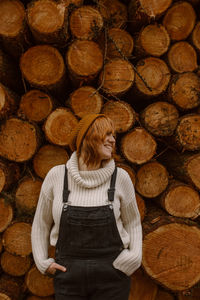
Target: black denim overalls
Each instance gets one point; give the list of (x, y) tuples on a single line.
[(88, 243)]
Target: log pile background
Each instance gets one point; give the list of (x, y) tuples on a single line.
[(136, 61)]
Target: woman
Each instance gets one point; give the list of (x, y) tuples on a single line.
[(87, 209)]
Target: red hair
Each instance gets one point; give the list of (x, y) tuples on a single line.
[(95, 135)]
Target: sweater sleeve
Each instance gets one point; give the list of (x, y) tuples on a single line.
[(41, 226), (129, 260)]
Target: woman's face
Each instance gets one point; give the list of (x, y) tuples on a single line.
[(106, 147)]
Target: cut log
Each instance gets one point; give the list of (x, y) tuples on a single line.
[(1, 244), (9, 174), (182, 57), (184, 167), (142, 287), (6, 214), (71, 3), (13, 31), (164, 295), (59, 125), (84, 60), (35, 105), (11, 287), (4, 297), (15, 265), (114, 12), (151, 179), (39, 284), (17, 239), (128, 169), (9, 73), (48, 22), (138, 146), (184, 90), (48, 157), (188, 132), (171, 251), (142, 11), (19, 140), (117, 76), (160, 118), (86, 22), (180, 20), (141, 206), (27, 194), (8, 102), (119, 43), (121, 113), (43, 67), (156, 74), (180, 200), (196, 36), (85, 100), (153, 40)]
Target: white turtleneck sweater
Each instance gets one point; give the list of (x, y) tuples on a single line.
[(87, 188)]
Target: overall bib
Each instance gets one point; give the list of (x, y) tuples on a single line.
[(87, 245)]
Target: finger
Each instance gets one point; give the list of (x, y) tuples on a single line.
[(61, 268)]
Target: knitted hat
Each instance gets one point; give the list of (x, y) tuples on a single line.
[(80, 131)]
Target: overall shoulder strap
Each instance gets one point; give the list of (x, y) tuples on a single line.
[(111, 190), (66, 192)]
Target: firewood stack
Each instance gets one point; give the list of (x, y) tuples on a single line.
[(137, 62)]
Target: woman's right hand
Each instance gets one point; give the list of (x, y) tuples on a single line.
[(53, 267)]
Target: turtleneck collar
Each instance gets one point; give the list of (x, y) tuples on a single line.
[(89, 179)]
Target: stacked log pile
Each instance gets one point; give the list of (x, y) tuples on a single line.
[(137, 62)]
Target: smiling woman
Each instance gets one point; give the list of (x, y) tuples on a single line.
[(89, 210)]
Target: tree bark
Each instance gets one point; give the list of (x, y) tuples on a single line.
[(138, 146), (151, 179), (35, 105), (48, 157), (182, 57), (85, 100), (160, 118), (121, 113), (48, 22), (179, 20)]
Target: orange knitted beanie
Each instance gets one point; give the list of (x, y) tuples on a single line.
[(80, 131)]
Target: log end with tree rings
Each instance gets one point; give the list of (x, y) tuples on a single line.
[(6, 214), (85, 100), (184, 90), (160, 118), (47, 19), (181, 200), (9, 174), (117, 77), (147, 44), (71, 3), (138, 146), (154, 8), (179, 20), (119, 43), (154, 76), (182, 57), (8, 102), (12, 18), (188, 132), (141, 206), (35, 105), (196, 36), (128, 169), (59, 125), (84, 59), (114, 12), (151, 179), (27, 194), (48, 157), (17, 239), (15, 265), (193, 166), (19, 140), (170, 255), (142, 286), (39, 284), (86, 22), (121, 113), (42, 66), (3, 296)]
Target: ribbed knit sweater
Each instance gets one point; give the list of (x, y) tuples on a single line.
[(87, 188)]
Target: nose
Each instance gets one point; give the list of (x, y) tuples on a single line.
[(111, 138)]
